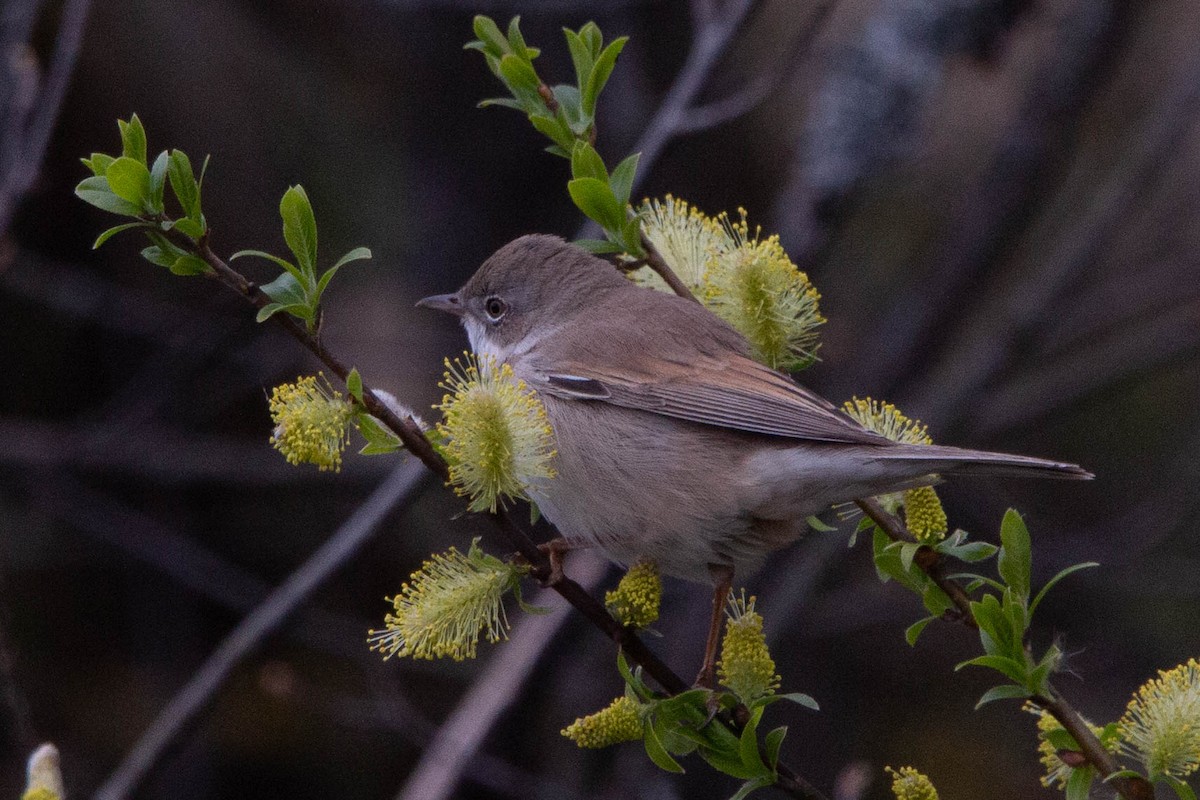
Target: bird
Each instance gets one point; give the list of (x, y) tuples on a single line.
[(672, 444)]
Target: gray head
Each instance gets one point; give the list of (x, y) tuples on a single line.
[(531, 284)]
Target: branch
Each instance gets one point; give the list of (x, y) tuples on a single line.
[(1089, 746), (252, 630)]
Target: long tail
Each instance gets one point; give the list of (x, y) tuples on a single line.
[(960, 461)]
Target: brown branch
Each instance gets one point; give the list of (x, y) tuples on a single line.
[(1089, 746), (412, 437), (656, 262)]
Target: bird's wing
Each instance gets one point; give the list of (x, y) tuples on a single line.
[(726, 390)]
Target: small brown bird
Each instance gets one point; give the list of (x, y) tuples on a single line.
[(673, 444)]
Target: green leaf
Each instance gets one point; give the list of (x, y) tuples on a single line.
[(569, 108), (268, 311), (972, 552), (357, 254), (98, 163), (622, 178), (516, 41), (599, 246), (556, 131), (800, 699), (772, 744), (586, 163), (354, 384), (600, 74), (752, 786), (183, 183), (133, 139), (1061, 739), (189, 227), (657, 753), (286, 289), (817, 525), (158, 179), (188, 264), (521, 80), (908, 551), (380, 440), (292, 269), (489, 33), (159, 257), (595, 199), (1182, 790), (590, 33), (1005, 692), (1079, 785), (108, 234), (936, 601), (1050, 583), (129, 180), (1009, 668), (913, 632), (581, 56), (300, 228), (506, 102), (1015, 560), (748, 747)]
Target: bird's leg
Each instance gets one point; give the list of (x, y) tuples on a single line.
[(556, 550), (722, 575)]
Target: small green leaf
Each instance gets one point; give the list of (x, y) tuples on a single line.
[(936, 601), (1015, 560), (285, 289), (1182, 790), (586, 163), (292, 269), (1050, 583), (595, 199), (183, 183), (380, 440), (521, 80), (772, 744), (108, 234), (129, 180), (908, 551), (354, 384), (1079, 785), (133, 139), (800, 699), (600, 74), (515, 40), (748, 747), (357, 254), (98, 163), (972, 551), (158, 180), (752, 786), (1009, 668), (817, 525), (622, 177), (489, 33), (657, 753), (157, 256), (913, 632), (300, 228), (590, 33), (1005, 692), (506, 102), (1061, 739), (189, 227), (581, 56), (268, 311), (556, 131), (189, 264)]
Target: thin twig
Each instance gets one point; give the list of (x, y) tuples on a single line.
[(1089, 745), (657, 263), (251, 631)]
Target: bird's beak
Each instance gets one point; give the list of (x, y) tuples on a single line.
[(450, 303)]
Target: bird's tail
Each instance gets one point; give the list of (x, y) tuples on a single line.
[(943, 460)]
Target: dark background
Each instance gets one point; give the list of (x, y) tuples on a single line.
[(996, 199)]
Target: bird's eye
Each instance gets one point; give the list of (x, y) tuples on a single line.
[(495, 308)]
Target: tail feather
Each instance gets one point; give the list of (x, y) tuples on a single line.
[(961, 461)]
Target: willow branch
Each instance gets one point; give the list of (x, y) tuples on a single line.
[(414, 439), (1090, 747)]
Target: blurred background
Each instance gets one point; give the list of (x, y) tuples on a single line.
[(995, 198)]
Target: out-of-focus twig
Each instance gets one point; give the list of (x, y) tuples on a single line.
[(251, 631)]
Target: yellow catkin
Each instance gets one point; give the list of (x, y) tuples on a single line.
[(495, 433), (446, 605), (924, 516), (311, 422), (1161, 725), (637, 597), (618, 722), (745, 665), (908, 784)]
